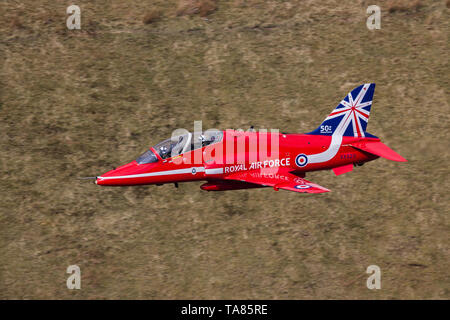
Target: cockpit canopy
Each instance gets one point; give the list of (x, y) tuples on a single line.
[(180, 144), (147, 157)]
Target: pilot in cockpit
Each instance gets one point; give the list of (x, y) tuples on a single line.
[(205, 141), (180, 144)]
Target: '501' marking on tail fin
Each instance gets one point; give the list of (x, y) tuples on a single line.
[(326, 129)]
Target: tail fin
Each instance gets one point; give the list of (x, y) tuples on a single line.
[(350, 117)]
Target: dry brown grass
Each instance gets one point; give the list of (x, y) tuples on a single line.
[(77, 103), (408, 6), (207, 7), (192, 7), (16, 23), (152, 16)]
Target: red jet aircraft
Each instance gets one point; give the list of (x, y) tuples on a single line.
[(231, 160)]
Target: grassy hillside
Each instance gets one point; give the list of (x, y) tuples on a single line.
[(76, 103)]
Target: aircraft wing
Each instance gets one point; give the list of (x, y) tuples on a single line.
[(278, 179)]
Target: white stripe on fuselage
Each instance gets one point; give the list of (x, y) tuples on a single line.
[(335, 145), (214, 171), (167, 173), (157, 173)]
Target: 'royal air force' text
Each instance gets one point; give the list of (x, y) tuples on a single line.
[(284, 162)]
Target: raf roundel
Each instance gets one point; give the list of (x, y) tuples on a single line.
[(301, 160), (302, 186)]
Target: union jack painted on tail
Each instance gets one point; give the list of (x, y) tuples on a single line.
[(350, 117)]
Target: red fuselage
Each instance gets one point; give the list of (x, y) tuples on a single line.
[(241, 152)]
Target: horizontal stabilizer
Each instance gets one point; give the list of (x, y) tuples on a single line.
[(379, 149)]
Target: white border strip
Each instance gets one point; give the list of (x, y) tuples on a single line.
[(214, 171), (154, 174)]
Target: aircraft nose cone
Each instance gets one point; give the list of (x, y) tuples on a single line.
[(101, 181), (109, 178), (124, 175)]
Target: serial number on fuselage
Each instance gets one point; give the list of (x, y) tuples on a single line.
[(284, 162), (348, 156)]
